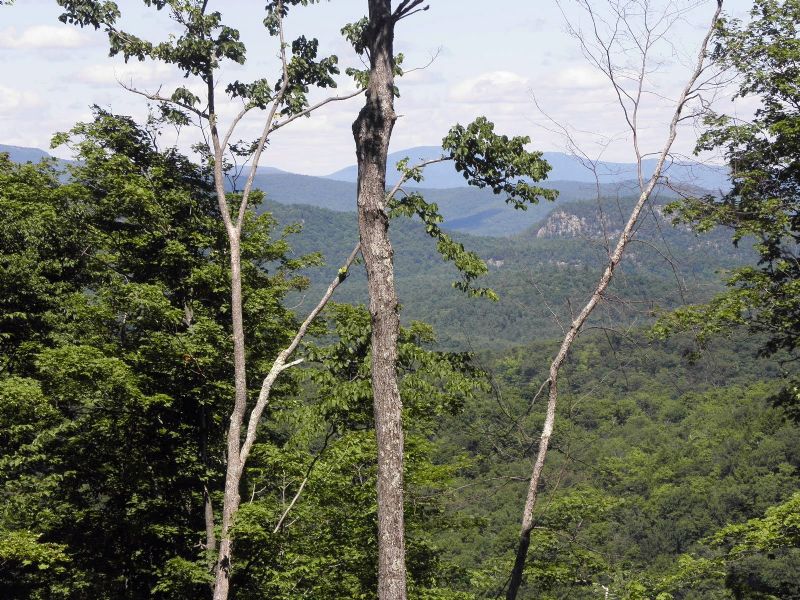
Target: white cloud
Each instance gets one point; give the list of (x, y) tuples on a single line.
[(492, 87), (13, 100), (578, 78), (137, 73), (43, 37)]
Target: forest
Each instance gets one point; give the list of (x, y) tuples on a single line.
[(460, 372)]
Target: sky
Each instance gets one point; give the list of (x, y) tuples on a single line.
[(513, 61)]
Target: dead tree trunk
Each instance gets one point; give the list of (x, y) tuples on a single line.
[(690, 90)]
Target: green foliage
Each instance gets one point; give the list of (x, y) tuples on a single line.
[(116, 375), (468, 264), (497, 161), (657, 448), (751, 559), (486, 159), (205, 44), (763, 158), (25, 560), (356, 34), (560, 267), (303, 71), (116, 383), (779, 528)]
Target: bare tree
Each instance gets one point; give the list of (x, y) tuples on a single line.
[(599, 46)]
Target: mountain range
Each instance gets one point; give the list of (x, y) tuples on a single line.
[(541, 261), (22, 154), (564, 167), (465, 209)]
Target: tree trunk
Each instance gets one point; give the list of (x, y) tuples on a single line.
[(372, 131), (577, 324), (233, 473)]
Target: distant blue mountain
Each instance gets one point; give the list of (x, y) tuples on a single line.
[(20, 154), (466, 209), (565, 168)]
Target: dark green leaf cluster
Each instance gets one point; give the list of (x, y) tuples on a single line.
[(115, 373), (277, 10), (485, 158), (468, 263), (356, 34), (197, 51), (303, 71), (205, 42)]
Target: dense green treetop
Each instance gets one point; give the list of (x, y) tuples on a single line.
[(763, 203)]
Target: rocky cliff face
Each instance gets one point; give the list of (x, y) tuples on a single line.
[(563, 224), (584, 221)]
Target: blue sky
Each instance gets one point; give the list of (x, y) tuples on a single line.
[(490, 59)]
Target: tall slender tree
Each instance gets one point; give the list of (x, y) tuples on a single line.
[(372, 131), (204, 44), (485, 159)]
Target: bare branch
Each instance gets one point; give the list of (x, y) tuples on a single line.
[(280, 363), (406, 176), (248, 186), (328, 436), (156, 96), (234, 123), (406, 8), (305, 112), (289, 508)]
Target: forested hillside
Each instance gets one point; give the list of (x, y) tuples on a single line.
[(660, 446), (537, 274), (636, 397)]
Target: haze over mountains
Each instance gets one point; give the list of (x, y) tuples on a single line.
[(565, 167), (22, 154), (465, 209)]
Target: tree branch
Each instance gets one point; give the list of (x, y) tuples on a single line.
[(582, 317), (248, 186), (406, 8), (280, 363), (311, 109), (156, 96), (406, 176)]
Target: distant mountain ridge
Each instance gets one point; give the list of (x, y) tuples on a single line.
[(21, 154), (564, 168), (465, 209), (561, 246), (564, 253)]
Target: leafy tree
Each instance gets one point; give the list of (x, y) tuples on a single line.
[(755, 559), (128, 350), (762, 204), (203, 46), (112, 418)]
